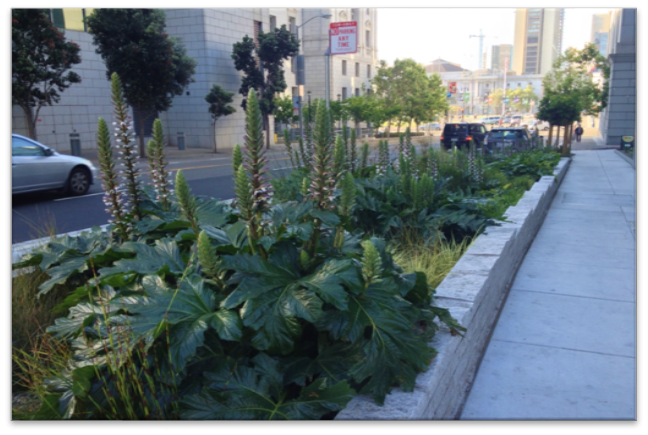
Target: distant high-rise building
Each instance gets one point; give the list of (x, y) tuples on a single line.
[(538, 39), (600, 32), (499, 55)]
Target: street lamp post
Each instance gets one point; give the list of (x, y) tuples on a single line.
[(300, 62)]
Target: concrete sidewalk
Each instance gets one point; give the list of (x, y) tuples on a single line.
[(564, 347)]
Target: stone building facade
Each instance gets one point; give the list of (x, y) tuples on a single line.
[(208, 35), (619, 118)]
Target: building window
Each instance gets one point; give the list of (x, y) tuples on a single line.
[(273, 22), (70, 19), (357, 69), (519, 85), (292, 23), (368, 38), (368, 71), (344, 93), (354, 15), (357, 92), (344, 67), (257, 29)]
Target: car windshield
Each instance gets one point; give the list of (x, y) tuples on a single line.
[(505, 134)]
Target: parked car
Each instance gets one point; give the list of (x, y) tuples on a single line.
[(499, 138), (460, 134), (516, 121), (37, 167), (539, 125), (491, 120), (431, 126)]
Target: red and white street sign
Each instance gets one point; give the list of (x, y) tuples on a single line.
[(343, 37)]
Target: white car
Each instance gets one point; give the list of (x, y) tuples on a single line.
[(36, 167)]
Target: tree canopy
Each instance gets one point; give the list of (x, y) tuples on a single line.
[(41, 58), (153, 66), (571, 74), (219, 105), (262, 65)]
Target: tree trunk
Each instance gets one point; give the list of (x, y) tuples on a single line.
[(388, 129), (557, 142), (31, 122), (551, 127), (357, 127), (142, 148), (571, 131), (215, 147), (565, 142)]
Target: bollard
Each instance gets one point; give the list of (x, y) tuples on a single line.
[(75, 144), (181, 140)]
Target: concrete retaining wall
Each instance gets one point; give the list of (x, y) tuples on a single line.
[(474, 291)]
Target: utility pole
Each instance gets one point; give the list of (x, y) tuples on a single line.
[(481, 37)]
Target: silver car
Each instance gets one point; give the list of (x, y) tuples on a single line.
[(37, 167)]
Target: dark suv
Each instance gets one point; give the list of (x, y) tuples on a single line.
[(498, 139), (459, 134)]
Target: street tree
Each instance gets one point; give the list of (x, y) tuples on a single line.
[(284, 112), (571, 74), (41, 58), (358, 109), (385, 88), (219, 105), (520, 99), (262, 65), (433, 101), (560, 110), (152, 66)]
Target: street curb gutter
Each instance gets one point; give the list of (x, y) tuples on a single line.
[(474, 291)]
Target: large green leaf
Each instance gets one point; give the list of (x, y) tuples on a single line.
[(60, 274), (327, 281), (190, 309), (249, 393), (164, 257)]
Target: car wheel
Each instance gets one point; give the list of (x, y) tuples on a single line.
[(78, 182)]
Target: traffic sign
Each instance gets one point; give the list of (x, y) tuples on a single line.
[(343, 37), (452, 87)]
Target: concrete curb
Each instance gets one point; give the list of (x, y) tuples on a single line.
[(474, 292), (626, 158)]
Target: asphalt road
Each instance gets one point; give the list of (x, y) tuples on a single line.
[(41, 214)]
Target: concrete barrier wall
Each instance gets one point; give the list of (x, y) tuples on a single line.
[(474, 291)]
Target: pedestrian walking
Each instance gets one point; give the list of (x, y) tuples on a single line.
[(579, 133)]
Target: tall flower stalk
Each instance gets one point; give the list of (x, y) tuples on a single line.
[(322, 182), (113, 197), (187, 202), (353, 151), (237, 158), (320, 189), (364, 156), (128, 153), (339, 164), (158, 164)]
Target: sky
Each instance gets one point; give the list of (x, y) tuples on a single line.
[(425, 34)]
